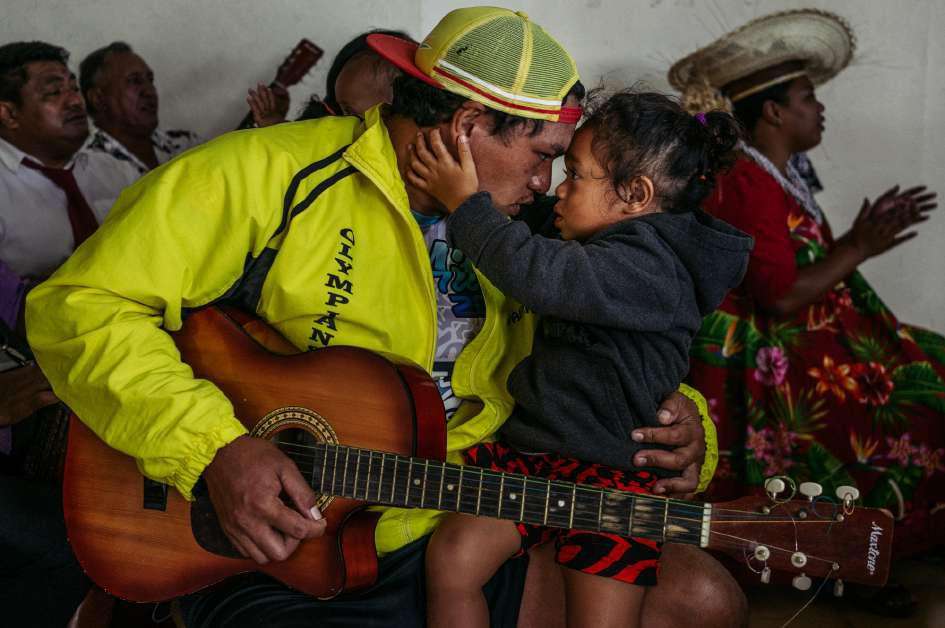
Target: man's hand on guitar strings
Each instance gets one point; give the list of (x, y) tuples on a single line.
[(245, 480), (682, 429)]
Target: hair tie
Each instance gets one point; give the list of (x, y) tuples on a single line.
[(700, 118)]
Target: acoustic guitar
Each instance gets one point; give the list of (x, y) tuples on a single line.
[(302, 58), (363, 430)]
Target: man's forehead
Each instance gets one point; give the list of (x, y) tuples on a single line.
[(554, 138), (47, 71), (125, 63)]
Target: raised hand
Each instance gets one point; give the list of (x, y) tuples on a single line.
[(434, 170), (879, 226), (269, 105)]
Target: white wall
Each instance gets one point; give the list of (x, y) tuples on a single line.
[(885, 113)]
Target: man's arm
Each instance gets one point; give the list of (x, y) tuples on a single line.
[(688, 428), (177, 239)]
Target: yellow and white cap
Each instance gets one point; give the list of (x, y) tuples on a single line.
[(493, 56)]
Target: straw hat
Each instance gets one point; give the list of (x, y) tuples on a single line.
[(764, 52)]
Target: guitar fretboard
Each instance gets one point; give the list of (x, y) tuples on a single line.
[(395, 480)]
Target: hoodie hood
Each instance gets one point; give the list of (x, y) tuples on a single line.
[(714, 252)]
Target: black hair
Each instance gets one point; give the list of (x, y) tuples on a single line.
[(92, 65), (316, 108), (14, 59), (427, 105), (749, 110), (650, 134)]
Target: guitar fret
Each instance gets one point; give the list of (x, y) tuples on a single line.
[(334, 472), (367, 482), (311, 481), (479, 492), (409, 474), (459, 488), (573, 500), (665, 517), (501, 494), (423, 491), (321, 486), (439, 493), (633, 505), (393, 481), (521, 515), (600, 511), (380, 480), (547, 500), (357, 470), (344, 476)]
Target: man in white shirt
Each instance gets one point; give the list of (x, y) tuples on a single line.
[(118, 87), (51, 198), (51, 194)]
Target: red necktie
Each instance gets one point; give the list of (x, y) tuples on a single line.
[(81, 216)]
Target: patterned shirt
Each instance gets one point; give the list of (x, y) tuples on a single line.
[(167, 144), (461, 310)]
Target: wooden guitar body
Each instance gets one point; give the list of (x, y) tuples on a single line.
[(144, 542)]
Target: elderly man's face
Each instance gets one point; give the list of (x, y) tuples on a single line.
[(125, 95), (516, 168), (51, 112)]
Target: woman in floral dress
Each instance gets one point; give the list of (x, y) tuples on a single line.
[(809, 374)]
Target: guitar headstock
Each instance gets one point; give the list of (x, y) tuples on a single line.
[(808, 536), (300, 60)]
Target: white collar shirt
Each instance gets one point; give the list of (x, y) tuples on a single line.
[(35, 232)]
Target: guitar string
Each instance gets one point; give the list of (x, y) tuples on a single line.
[(641, 528), (488, 473), (697, 507)]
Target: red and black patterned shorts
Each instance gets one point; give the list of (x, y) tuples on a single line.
[(627, 559)]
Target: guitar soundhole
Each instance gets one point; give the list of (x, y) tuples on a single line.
[(296, 431)]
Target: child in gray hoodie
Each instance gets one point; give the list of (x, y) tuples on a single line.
[(621, 295)]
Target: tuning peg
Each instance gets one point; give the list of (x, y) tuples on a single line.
[(801, 582), (848, 491), (811, 489), (773, 486), (766, 575), (838, 588)]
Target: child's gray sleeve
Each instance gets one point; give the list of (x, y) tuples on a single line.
[(625, 280)]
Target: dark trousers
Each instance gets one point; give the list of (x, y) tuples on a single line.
[(396, 600), (41, 584)]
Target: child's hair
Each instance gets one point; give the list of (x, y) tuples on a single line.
[(649, 134)]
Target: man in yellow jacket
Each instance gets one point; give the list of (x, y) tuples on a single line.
[(311, 226)]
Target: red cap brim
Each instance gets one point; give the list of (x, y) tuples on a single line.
[(401, 53)]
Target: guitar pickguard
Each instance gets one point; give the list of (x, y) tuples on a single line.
[(293, 425)]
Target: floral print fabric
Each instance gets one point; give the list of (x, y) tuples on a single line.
[(838, 393)]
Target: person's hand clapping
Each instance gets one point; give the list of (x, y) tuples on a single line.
[(879, 226), (434, 170)]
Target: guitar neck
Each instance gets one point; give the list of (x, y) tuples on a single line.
[(406, 482)]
